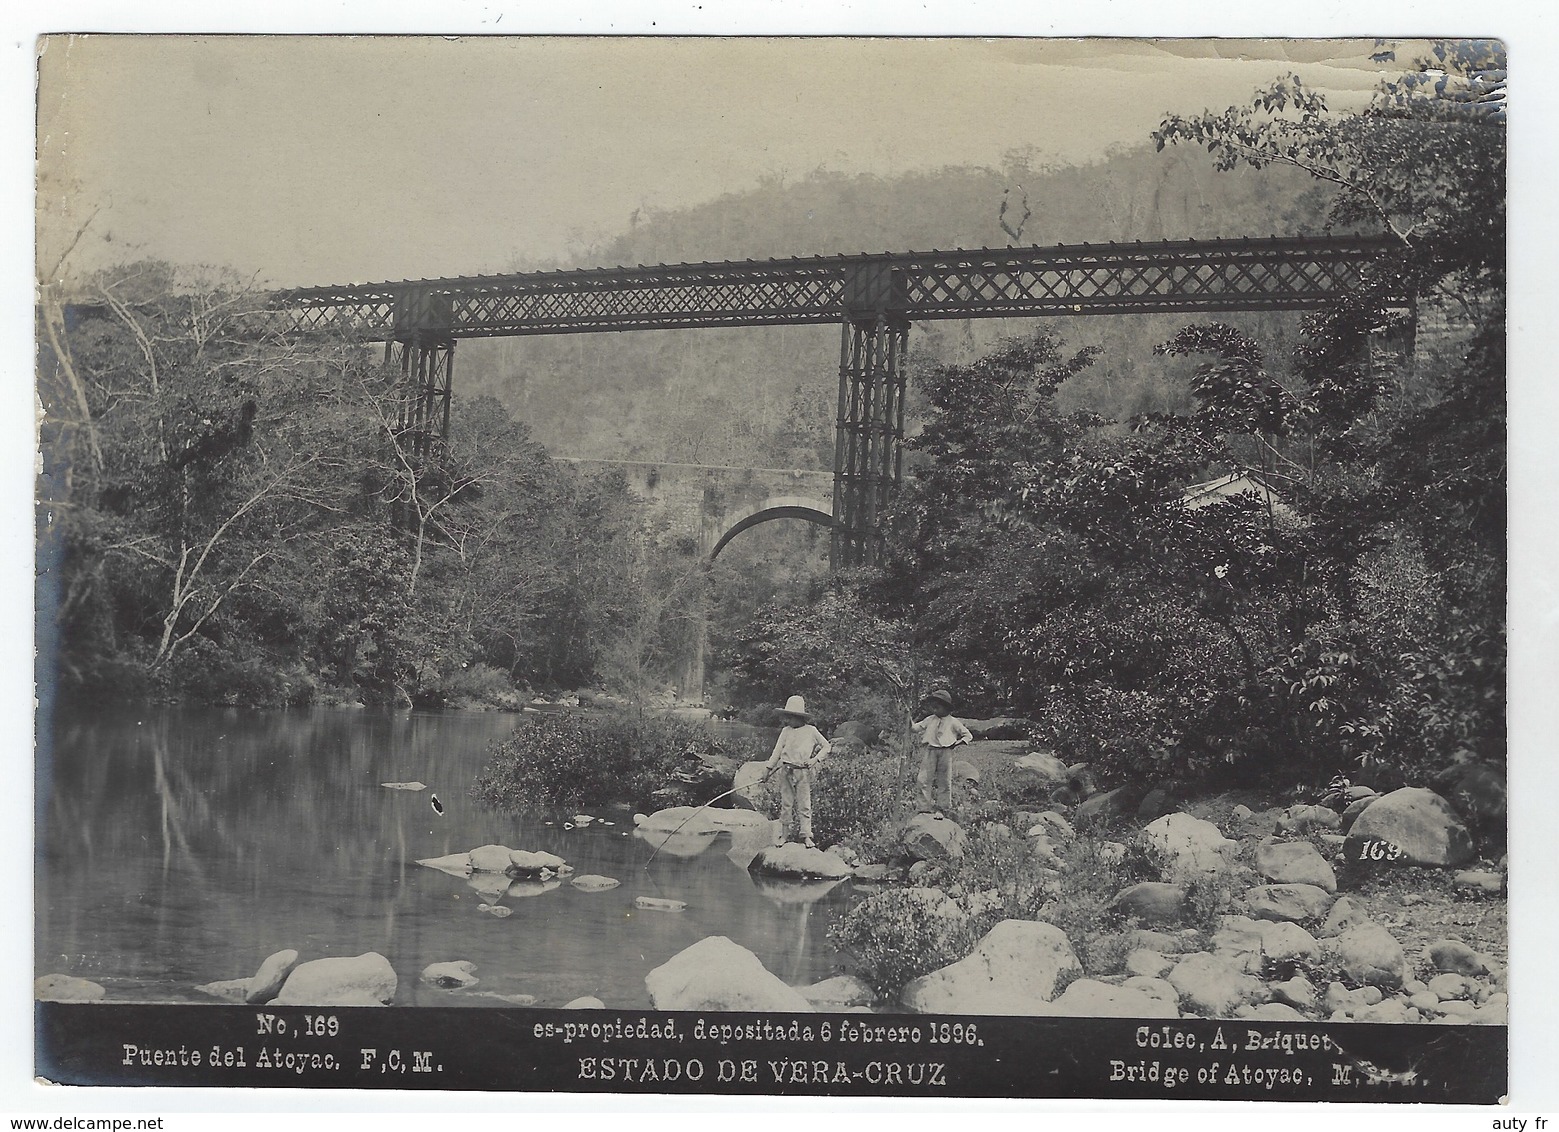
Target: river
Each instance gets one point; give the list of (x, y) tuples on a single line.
[(178, 846)]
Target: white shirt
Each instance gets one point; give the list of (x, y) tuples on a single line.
[(799, 746), (942, 731)]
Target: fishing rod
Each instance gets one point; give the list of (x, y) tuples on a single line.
[(700, 810)]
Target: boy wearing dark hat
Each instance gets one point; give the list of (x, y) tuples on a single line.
[(937, 735), (797, 751)]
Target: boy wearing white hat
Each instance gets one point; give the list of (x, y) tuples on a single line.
[(797, 751), (937, 735)]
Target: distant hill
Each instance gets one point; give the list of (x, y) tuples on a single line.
[(766, 395)]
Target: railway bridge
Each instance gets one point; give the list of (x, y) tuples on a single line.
[(874, 299)]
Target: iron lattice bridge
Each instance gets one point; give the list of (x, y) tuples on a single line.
[(874, 298)]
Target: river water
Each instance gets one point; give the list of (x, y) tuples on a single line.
[(178, 846)]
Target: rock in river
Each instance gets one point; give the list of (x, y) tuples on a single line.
[(716, 974), (413, 786), (459, 973), (1014, 969), (455, 864), (659, 904), (592, 882), (524, 863), (66, 988), (267, 981), (359, 980), (490, 858), (797, 862)]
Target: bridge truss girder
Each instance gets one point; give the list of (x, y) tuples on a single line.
[(873, 297), (1276, 273)]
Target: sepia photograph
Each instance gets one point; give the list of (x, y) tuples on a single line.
[(773, 565)]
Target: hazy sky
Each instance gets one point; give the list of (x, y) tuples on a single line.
[(314, 160)]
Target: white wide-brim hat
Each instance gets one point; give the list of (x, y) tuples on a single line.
[(796, 706)]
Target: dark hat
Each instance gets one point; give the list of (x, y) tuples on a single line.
[(942, 696)]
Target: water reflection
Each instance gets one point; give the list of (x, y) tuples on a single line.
[(180, 846)]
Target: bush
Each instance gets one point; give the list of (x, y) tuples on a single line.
[(853, 795), (579, 760), (479, 685), (901, 934)]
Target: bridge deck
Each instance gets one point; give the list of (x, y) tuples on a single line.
[(1275, 273)]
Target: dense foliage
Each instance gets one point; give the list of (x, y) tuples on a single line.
[(590, 759), (231, 514), (1300, 570)]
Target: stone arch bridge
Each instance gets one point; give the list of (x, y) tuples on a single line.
[(712, 504)]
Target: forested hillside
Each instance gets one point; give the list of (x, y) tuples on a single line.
[(766, 395)]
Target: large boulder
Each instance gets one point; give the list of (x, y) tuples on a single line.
[(1147, 963), (1294, 862), (1355, 808), (1212, 986), (1014, 969), (451, 975), (1297, 903), (455, 864), (749, 786), (1110, 806), (1455, 956), (358, 980), (267, 982), (865, 734), (1346, 913), (1089, 998), (1152, 901), (1165, 798), (1188, 845), (1370, 954), (66, 988), (490, 858), (1160, 990), (716, 974), (1418, 822), (1302, 819), (1240, 946), (1052, 827), (525, 863), (930, 837), (796, 862), (1285, 942), (233, 990), (839, 993), (1042, 768), (1299, 992), (1476, 790)]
